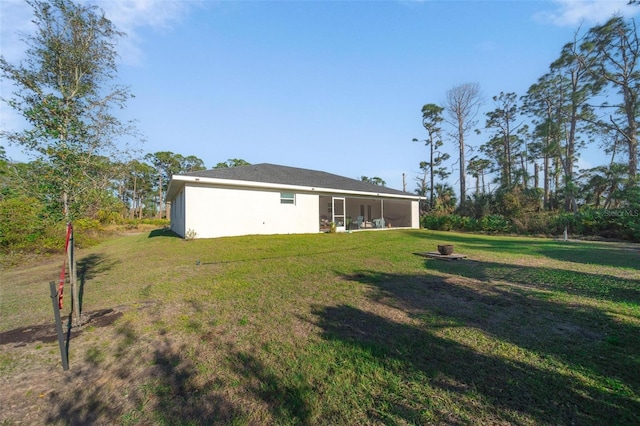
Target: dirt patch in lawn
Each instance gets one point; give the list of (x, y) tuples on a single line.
[(46, 333), (38, 391)]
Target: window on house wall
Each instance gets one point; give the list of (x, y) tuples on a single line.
[(287, 198)]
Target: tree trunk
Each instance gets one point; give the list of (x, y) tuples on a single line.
[(545, 176), (507, 154), (159, 213), (524, 172), (558, 169), (632, 144), (463, 172), (431, 205), (569, 202)]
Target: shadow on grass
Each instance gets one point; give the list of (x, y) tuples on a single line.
[(288, 404), (620, 255), (173, 384), (586, 378), (164, 232), (88, 267), (598, 286), (625, 255), (493, 384), (181, 399), (165, 392)]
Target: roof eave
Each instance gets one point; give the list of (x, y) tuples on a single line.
[(174, 188)]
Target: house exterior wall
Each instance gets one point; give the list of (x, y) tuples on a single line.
[(178, 214), (213, 212)]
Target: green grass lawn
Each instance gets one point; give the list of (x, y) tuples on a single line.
[(351, 328)]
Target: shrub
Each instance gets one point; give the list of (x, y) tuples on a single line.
[(156, 222), (489, 224), (540, 224), (21, 222), (190, 235), (618, 224), (495, 223), (107, 217), (438, 222), (25, 227)]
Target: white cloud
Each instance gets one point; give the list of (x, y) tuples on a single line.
[(572, 13), (130, 16), (133, 16)]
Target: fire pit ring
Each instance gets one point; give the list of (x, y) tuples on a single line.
[(445, 249)]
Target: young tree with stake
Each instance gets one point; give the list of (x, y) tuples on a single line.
[(64, 90)]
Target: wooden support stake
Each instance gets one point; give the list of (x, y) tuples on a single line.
[(76, 312), (56, 314)]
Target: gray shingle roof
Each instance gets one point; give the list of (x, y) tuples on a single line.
[(275, 174)]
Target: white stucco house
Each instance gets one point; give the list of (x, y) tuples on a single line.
[(273, 199)]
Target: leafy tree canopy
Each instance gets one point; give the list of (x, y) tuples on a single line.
[(374, 180), (232, 162), (63, 88)]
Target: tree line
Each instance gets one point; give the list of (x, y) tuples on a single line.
[(111, 192), (589, 99), (84, 169)]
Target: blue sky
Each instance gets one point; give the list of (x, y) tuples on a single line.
[(333, 86)]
